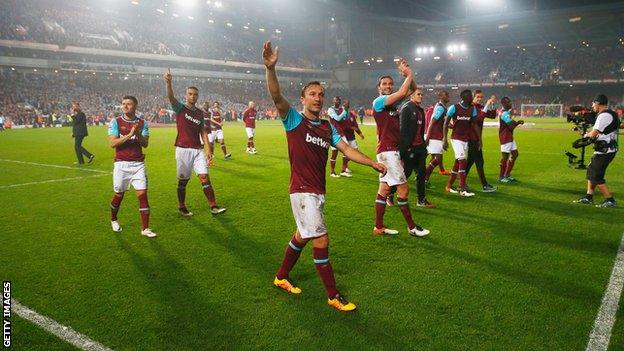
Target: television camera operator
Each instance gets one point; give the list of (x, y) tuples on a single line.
[(604, 137)]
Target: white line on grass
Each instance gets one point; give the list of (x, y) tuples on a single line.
[(49, 181), (55, 166), (71, 336), (603, 326)]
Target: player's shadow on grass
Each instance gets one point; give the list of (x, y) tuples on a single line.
[(186, 320), (569, 289), (564, 209), (574, 194)]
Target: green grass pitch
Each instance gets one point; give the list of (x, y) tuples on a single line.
[(519, 269)]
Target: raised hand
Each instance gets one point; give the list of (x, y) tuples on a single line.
[(168, 77), (404, 67), (270, 55)]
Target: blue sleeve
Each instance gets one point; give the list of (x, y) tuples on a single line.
[(506, 117), (380, 103), (332, 113), (474, 112), (450, 112), (292, 119), (113, 128), (335, 137), (145, 130), (438, 113), (177, 107)]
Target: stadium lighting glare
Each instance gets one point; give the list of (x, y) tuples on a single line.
[(503, 26), (186, 3), (365, 61), (34, 69), (419, 51), (462, 47), (574, 19), (245, 27), (396, 59), (436, 58), (379, 60), (210, 21), (449, 48), (261, 29), (134, 2), (175, 15), (161, 11), (418, 59), (431, 49), (218, 4), (333, 19), (228, 24), (278, 31), (12, 68), (191, 17)]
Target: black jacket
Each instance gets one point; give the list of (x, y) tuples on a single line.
[(79, 128), (412, 121)]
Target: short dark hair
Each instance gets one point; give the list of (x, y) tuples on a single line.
[(478, 91), (130, 97), (305, 87), (465, 94), (193, 87), (384, 77), (442, 93), (505, 99)]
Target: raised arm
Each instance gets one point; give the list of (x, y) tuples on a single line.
[(168, 79), (270, 57), (403, 91)]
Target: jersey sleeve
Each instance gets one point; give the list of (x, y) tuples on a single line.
[(475, 113), (113, 128), (335, 137), (506, 117), (145, 130), (450, 113), (438, 112), (292, 120), (380, 103), (177, 107)]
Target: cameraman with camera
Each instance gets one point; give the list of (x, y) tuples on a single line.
[(604, 134)]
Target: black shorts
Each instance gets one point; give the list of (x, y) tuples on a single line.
[(598, 167)]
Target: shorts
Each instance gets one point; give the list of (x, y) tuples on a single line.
[(215, 135), (353, 143), (126, 173), (435, 147), (250, 132), (598, 167), (395, 174), (307, 209), (460, 148), (509, 147), (189, 160), (343, 139)]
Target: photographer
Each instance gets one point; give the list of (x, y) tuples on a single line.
[(604, 133)]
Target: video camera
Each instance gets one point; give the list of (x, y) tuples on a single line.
[(582, 118)]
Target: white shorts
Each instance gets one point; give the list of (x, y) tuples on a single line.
[(509, 147), (126, 173), (460, 148), (307, 209), (435, 147), (215, 135), (250, 132), (343, 139), (395, 174), (189, 160), (353, 143)]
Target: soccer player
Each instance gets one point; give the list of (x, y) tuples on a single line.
[(308, 138), (388, 144), (435, 128), (337, 114), (216, 127), (413, 143), (128, 135), (462, 116), (249, 117), (508, 144), (475, 153), (189, 155), (350, 127)]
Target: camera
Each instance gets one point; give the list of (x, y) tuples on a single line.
[(582, 117)]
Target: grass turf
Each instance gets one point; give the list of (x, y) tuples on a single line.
[(521, 268)]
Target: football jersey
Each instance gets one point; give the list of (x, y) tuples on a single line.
[(336, 116), (131, 150), (189, 123), (463, 118), (249, 117), (437, 120), (506, 127), (216, 115), (388, 125), (482, 114), (353, 126), (308, 144)]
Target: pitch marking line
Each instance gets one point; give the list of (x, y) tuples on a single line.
[(55, 166), (50, 181), (603, 326), (65, 333)]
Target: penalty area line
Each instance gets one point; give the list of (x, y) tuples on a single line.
[(49, 181), (603, 325), (55, 166), (65, 333)]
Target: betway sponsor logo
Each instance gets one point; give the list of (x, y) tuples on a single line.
[(190, 118), (463, 118), (317, 141)]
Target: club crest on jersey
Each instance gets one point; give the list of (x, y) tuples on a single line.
[(317, 141)]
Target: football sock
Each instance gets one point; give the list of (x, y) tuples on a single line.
[(293, 251), (380, 209), (182, 192), (345, 163), (210, 195), (503, 167), (510, 165), (223, 149), (144, 210), (453, 176), (332, 160), (462, 173), (114, 205), (253, 146), (324, 268), (432, 165), (405, 210)]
